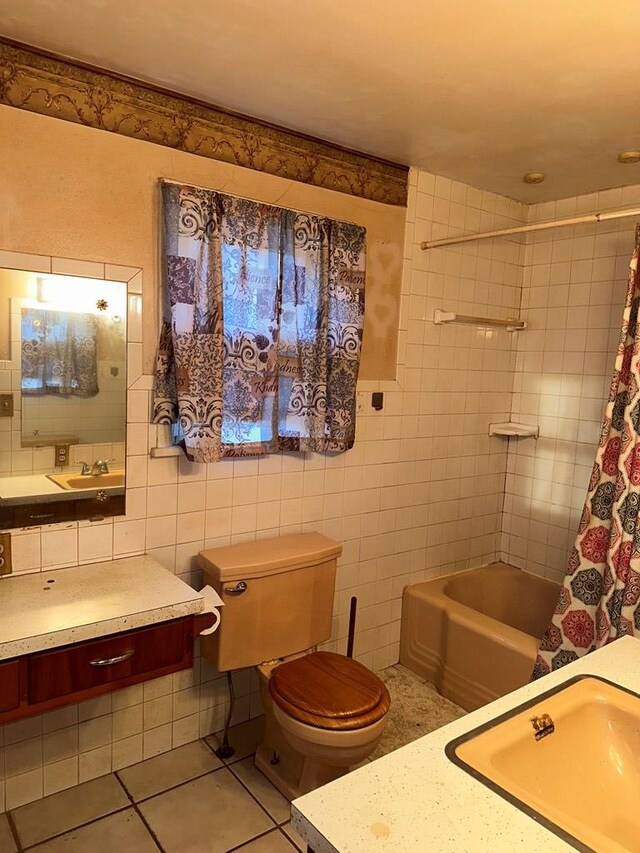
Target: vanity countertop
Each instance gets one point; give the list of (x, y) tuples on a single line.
[(416, 799), (45, 610), (13, 490), (39, 488)]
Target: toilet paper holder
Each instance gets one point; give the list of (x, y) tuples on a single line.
[(212, 602)]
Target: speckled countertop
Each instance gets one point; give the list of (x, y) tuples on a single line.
[(39, 488), (49, 609), (16, 489), (415, 799)]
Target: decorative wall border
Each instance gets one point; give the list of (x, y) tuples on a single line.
[(50, 85)]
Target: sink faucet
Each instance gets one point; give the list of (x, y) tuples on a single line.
[(100, 466)]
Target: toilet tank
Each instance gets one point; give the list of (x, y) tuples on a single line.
[(287, 604)]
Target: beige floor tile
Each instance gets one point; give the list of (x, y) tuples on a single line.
[(244, 737), (262, 789), (169, 769), (123, 832), (209, 815), (272, 842), (7, 844), (68, 809), (295, 836)]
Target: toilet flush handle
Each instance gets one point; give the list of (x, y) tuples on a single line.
[(238, 589)]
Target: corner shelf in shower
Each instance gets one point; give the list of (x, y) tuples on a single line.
[(512, 429)]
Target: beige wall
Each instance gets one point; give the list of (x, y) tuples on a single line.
[(77, 192), (13, 285)]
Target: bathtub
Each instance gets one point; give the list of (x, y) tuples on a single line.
[(475, 634)]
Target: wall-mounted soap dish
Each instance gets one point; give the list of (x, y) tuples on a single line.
[(511, 429)]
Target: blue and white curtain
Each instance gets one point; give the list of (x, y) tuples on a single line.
[(262, 333)]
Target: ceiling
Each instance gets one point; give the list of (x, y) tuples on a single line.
[(478, 90)]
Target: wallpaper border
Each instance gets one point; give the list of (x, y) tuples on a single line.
[(50, 85)]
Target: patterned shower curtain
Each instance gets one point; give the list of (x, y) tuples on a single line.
[(600, 597), (260, 344)]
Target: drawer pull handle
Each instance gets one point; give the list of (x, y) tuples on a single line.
[(41, 516), (238, 589), (110, 661)]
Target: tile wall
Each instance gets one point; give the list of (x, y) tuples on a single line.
[(573, 293), (420, 494)]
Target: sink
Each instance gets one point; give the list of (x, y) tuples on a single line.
[(74, 481), (574, 767)]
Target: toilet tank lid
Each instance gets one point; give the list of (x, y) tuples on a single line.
[(268, 556)]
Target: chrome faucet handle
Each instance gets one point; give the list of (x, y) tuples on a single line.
[(103, 465), (86, 470)]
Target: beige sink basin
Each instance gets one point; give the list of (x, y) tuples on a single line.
[(579, 774), (73, 482)]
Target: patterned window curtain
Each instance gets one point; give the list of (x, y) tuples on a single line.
[(59, 353), (260, 344), (600, 597)]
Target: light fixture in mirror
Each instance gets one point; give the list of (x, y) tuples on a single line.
[(63, 390)]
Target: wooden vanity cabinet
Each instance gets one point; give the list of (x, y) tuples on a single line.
[(41, 681), (9, 685), (55, 512)]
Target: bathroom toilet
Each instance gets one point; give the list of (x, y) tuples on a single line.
[(324, 712)]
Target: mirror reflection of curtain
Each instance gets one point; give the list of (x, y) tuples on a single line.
[(59, 353)]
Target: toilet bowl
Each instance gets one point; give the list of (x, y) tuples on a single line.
[(324, 712), (305, 747)]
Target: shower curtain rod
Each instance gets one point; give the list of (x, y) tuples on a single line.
[(536, 226)]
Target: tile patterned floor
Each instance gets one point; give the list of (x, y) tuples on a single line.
[(189, 801), (416, 709)]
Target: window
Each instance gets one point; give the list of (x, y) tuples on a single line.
[(262, 334)]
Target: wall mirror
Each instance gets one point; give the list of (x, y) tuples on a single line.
[(63, 392)]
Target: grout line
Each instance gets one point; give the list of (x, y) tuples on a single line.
[(233, 775), (250, 792), (14, 831), (73, 828), (251, 840), (171, 787), (139, 813), (288, 837)]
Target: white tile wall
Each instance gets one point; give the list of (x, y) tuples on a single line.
[(95, 419), (420, 494), (573, 292)]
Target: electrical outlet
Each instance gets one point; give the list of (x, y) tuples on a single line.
[(6, 405), (5, 554), (62, 455)]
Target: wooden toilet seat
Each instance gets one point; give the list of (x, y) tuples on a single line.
[(329, 691)]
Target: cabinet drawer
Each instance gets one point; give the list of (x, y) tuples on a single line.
[(9, 685), (127, 657), (31, 515), (93, 508)]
